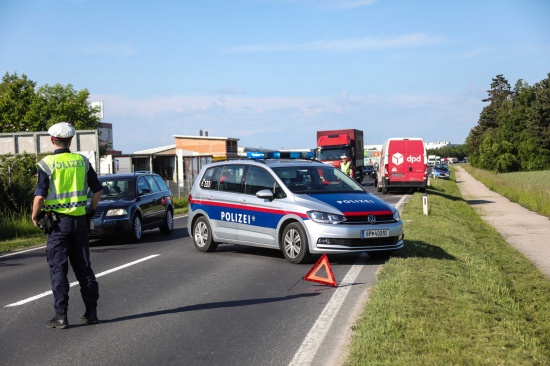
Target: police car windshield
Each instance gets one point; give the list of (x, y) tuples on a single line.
[(316, 179)]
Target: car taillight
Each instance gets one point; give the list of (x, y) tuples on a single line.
[(386, 170), (189, 198)]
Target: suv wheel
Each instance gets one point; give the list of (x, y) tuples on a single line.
[(168, 225), (202, 236), (295, 245), (136, 231)]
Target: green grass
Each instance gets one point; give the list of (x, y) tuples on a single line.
[(457, 294), (16, 226), (529, 189)]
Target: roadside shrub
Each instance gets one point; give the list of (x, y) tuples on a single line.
[(17, 183)]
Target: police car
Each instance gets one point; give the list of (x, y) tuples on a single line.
[(299, 206)]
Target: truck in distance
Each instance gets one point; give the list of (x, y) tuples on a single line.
[(332, 145)]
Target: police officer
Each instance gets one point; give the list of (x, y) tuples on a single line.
[(63, 181), (345, 165)]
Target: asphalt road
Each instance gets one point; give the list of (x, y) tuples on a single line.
[(164, 302)]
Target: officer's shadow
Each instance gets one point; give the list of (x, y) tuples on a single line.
[(208, 306)]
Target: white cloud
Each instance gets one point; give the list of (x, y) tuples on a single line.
[(343, 4), (118, 106), (344, 45), (275, 122)]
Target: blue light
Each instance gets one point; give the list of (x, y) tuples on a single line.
[(280, 155), (255, 155)]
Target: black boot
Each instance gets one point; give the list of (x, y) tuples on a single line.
[(58, 321), (89, 317)]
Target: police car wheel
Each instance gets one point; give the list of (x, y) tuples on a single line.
[(295, 245), (202, 236), (168, 225), (136, 231)]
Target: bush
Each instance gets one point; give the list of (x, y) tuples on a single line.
[(17, 183)]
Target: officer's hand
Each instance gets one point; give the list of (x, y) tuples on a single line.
[(90, 213)]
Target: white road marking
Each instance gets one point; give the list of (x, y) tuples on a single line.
[(401, 202), (21, 251), (76, 282), (311, 343)]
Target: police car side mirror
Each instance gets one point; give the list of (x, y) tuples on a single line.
[(265, 194)]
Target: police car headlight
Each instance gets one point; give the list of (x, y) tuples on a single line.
[(117, 212), (396, 215), (325, 217)]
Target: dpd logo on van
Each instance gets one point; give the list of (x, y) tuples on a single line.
[(412, 159), (397, 158)]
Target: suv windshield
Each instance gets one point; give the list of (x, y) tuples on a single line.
[(308, 179)]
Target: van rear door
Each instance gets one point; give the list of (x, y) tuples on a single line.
[(406, 161)]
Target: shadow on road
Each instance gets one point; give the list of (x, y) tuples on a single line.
[(207, 306)]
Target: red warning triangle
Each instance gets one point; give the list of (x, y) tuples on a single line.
[(321, 263)]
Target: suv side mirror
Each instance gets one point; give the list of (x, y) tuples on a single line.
[(144, 191)]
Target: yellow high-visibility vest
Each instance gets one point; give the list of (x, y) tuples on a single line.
[(345, 167), (68, 183)]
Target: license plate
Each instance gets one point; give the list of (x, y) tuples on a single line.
[(380, 233)]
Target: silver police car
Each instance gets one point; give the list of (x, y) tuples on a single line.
[(299, 206)]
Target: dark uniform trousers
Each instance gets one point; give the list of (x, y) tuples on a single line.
[(68, 242)]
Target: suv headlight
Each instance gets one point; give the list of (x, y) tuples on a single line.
[(117, 212), (325, 217)]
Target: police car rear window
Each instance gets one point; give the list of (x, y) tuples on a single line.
[(225, 178)]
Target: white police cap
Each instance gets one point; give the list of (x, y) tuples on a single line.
[(62, 131)]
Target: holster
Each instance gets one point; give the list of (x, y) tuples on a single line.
[(47, 221)]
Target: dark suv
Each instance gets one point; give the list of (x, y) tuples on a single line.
[(130, 204)]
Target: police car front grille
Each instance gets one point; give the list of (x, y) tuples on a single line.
[(363, 219), (371, 242)]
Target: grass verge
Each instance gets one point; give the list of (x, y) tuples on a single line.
[(457, 294), (529, 189)]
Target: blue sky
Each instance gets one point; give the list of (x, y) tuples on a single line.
[(273, 72)]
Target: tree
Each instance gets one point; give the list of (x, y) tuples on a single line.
[(513, 131), (25, 108), (16, 97)]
